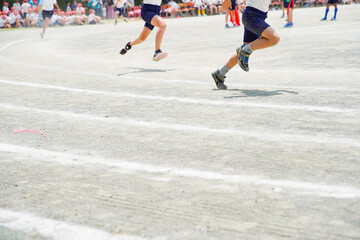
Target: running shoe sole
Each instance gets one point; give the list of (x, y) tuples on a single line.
[(160, 56)]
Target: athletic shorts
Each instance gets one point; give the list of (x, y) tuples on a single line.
[(233, 5), (290, 4), (47, 14), (254, 23), (149, 11), (332, 1), (120, 10)]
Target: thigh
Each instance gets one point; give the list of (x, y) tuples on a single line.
[(254, 22)]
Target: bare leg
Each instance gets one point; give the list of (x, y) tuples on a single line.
[(46, 24), (269, 38), (161, 24), (142, 37)]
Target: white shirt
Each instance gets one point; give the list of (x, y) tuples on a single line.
[(17, 6), (120, 3), (2, 22), (6, 9), (25, 7), (91, 17), (173, 5), (153, 2), (262, 5), (48, 5)]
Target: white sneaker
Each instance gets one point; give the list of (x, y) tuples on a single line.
[(159, 55), (42, 34)]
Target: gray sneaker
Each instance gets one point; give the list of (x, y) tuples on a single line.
[(219, 80)]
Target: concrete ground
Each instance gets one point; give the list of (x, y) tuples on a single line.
[(145, 150)]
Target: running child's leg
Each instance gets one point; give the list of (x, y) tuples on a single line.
[(161, 24), (45, 25), (142, 37)]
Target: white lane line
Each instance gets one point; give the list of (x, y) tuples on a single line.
[(58, 230), (190, 100), (261, 135), (298, 187), (14, 42)]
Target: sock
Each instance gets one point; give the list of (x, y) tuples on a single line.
[(248, 48), (326, 13), (157, 51), (203, 12), (335, 12), (224, 70)]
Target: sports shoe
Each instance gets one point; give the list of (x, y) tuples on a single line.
[(243, 58), (227, 26), (323, 19), (333, 19), (125, 49), (42, 34), (283, 15), (159, 55), (219, 80), (115, 22), (235, 25), (287, 25)]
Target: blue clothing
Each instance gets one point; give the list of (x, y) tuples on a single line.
[(149, 11), (289, 2), (254, 23), (332, 1), (47, 14), (94, 4), (233, 5)]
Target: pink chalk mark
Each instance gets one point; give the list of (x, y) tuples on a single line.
[(30, 131)]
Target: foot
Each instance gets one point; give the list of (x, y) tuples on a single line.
[(323, 19), (235, 25), (125, 49), (42, 34), (243, 58), (289, 24), (219, 80), (282, 16), (159, 55), (125, 20), (115, 22), (333, 19), (227, 26)]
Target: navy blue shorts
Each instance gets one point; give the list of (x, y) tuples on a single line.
[(332, 1), (291, 3), (149, 11), (233, 5), (254, 23), (47, 14), (120, 10)]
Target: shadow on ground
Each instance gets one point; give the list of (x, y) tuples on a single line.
[(256, 93), (142, 70)]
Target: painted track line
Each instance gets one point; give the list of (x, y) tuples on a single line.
[(298, 187), (58, 230), (260, 135), (190, 100)]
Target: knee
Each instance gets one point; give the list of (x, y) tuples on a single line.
[(163, 25), (275, 38)]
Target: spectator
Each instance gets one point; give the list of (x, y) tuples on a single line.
[(174, 8), (94, 4), (32, 18), (110, 9), (68, 7), (200, 6), (75, 4), (211, 4), (103, 9), (4, 22), (25, 8), (54, 20), (6, 8), (15, 19), (17, 6), (93, 19)]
